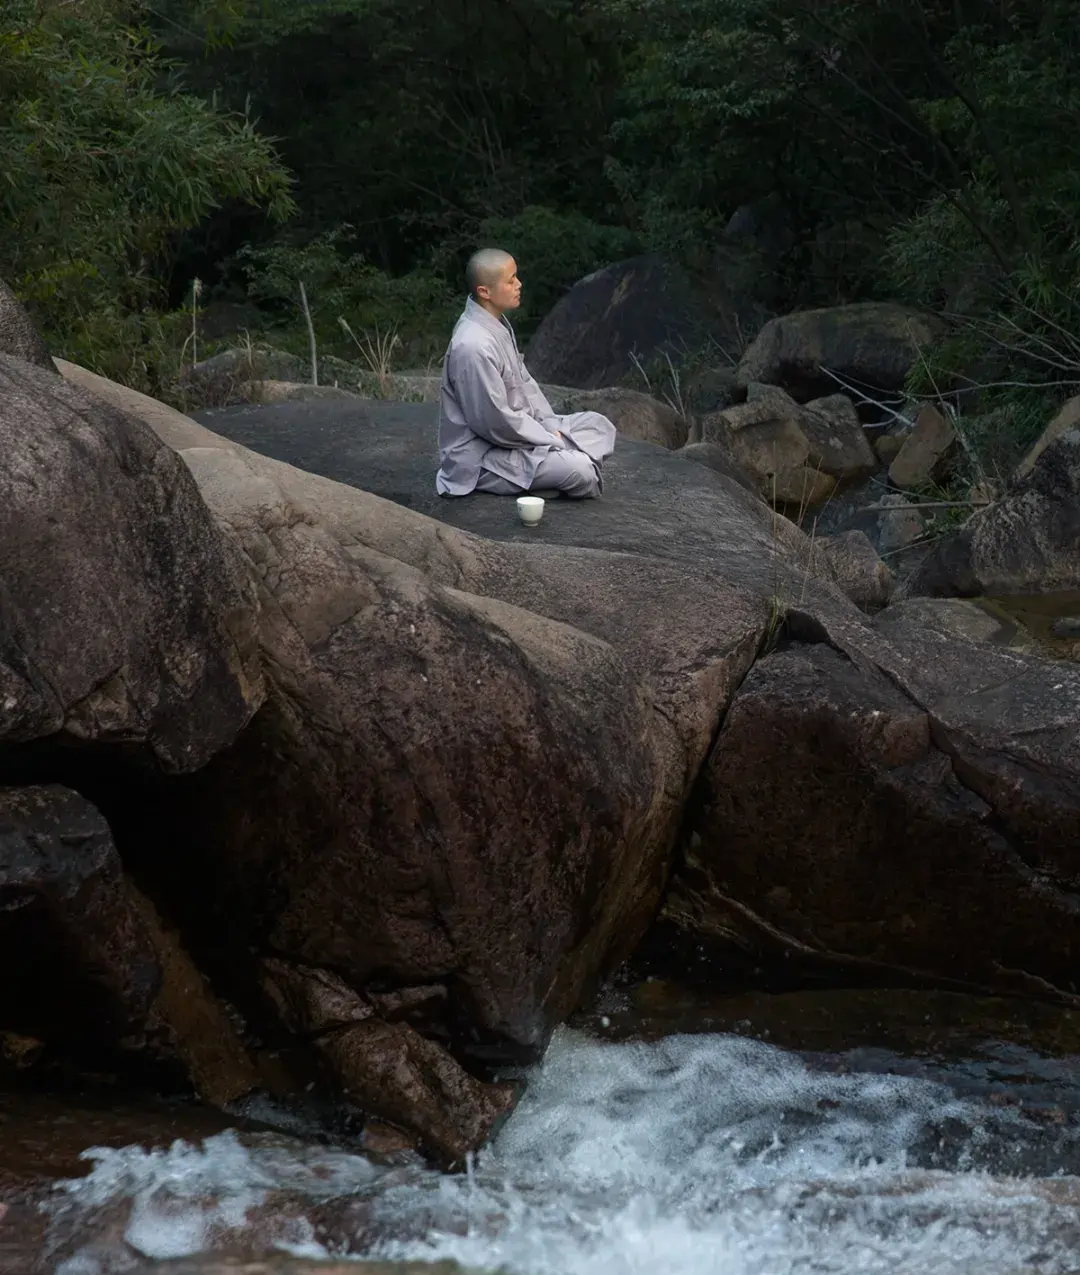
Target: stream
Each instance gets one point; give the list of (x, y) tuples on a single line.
[(830, 1133)]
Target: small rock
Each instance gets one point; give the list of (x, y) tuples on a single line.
[(887, 448), (838, 443), (1068, 626), (388, 1068), (927, 451), (897, 530), (855, 566), (769, 406), (802, 487)]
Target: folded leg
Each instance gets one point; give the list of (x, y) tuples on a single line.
[(589, 431), (568, 471)]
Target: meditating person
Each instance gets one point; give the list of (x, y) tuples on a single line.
[(497, 431)]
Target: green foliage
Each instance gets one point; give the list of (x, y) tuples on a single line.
[(419, 307), (920, 149), (414, 120), (105, 162)]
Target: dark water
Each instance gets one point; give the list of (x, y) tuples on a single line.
[(840, 1133)]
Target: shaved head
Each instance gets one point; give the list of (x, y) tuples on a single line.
[(485, 267)]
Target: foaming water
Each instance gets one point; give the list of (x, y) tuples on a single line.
[(685, 1156)]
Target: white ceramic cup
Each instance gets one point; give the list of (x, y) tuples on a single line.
[(530, 509)]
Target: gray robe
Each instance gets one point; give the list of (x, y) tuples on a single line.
[(494, 417)]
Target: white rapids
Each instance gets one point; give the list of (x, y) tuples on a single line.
[(693, 1155)]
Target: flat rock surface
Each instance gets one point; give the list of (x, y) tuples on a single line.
[(654, 502)]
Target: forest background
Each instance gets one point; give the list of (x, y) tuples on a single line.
[(170, 172)]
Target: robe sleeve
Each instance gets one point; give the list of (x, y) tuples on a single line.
[(481, 392), (538, 404)]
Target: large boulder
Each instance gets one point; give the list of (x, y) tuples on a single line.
[(123, 617), (923, 824), (18, 336), (870, 346), (527, 767), (396, 831), (630, 312), (1027, 542)]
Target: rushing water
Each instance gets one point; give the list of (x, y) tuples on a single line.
[(685, 1155)]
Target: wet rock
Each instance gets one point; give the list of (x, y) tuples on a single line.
[(188, 1023), (18, 336), (1026, 543), (677, 571), (1067, 626), (371, 820), (123, 617), (90, 968), (927, 452), (387, 1068), (872, 345), (282, 1265), (933, 862), (854, 564)]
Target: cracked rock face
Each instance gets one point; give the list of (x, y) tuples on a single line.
[(853, 824)]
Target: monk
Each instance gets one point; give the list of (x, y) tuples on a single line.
[(497, 431)]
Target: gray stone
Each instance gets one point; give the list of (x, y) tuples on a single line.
[(18, 336), (857, 569), (838, 443), (1027, 542), (927, 453), (123, 619), (871, 345)]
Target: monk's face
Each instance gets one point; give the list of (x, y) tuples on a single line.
[(504, 291)]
